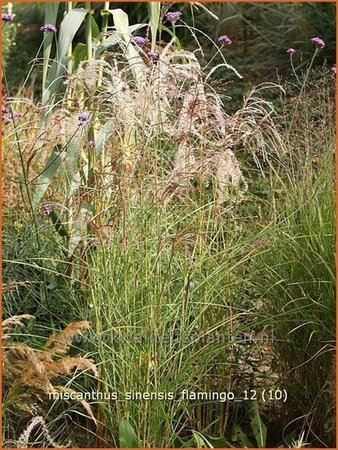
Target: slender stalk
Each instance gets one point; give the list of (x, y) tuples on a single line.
[(70, 60), (105, 21), (88, 31), (304, 83), (31, 69), (43, 290)]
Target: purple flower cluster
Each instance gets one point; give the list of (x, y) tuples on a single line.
[(224, 40), (153, 55), (173, 16), (8, 17), (83, 118), (318, 42), (334, 69), (139, 40), (47, 209), (48, 28)]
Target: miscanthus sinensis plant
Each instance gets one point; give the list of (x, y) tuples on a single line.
[(133, 156)]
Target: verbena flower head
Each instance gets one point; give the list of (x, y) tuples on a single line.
[(291, 51), (8, 17), (47, 208), (139, 40), (153, 55), (91, 144), (318, 42), (173, 16), (334, 69), (83, 118), (224, 40), (48, 28)]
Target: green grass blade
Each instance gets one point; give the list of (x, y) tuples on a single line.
[(154, 10), (121, 22), (69, 27), (258, 427), (127, 435), (52, 165), (51, 12)]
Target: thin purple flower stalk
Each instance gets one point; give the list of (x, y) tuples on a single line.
[(8, 17), (224, 40), (173, 16), (48, 28), (291, 51), (318, 42), (139, 40)]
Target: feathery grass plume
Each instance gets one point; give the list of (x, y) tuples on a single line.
[(60, 342), (24, 439), (13, 285), (35, 370), (175, 101), (7, 324)]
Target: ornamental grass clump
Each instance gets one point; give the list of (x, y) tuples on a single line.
[(138, 179)]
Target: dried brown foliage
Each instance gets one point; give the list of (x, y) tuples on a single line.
[(29, 373)]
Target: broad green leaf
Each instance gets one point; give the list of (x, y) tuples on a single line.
[(95, 28), (239, 437), (51, 167), (79, 54), (154, 10), (116, 38), (127, 435), (217, 442), (121, 22), (201, 441), (51, 12), (175, 38), (109, 42), (78, 227), (71, 158), (69, 27), (60, 229), (257, 425), (103, 134)]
